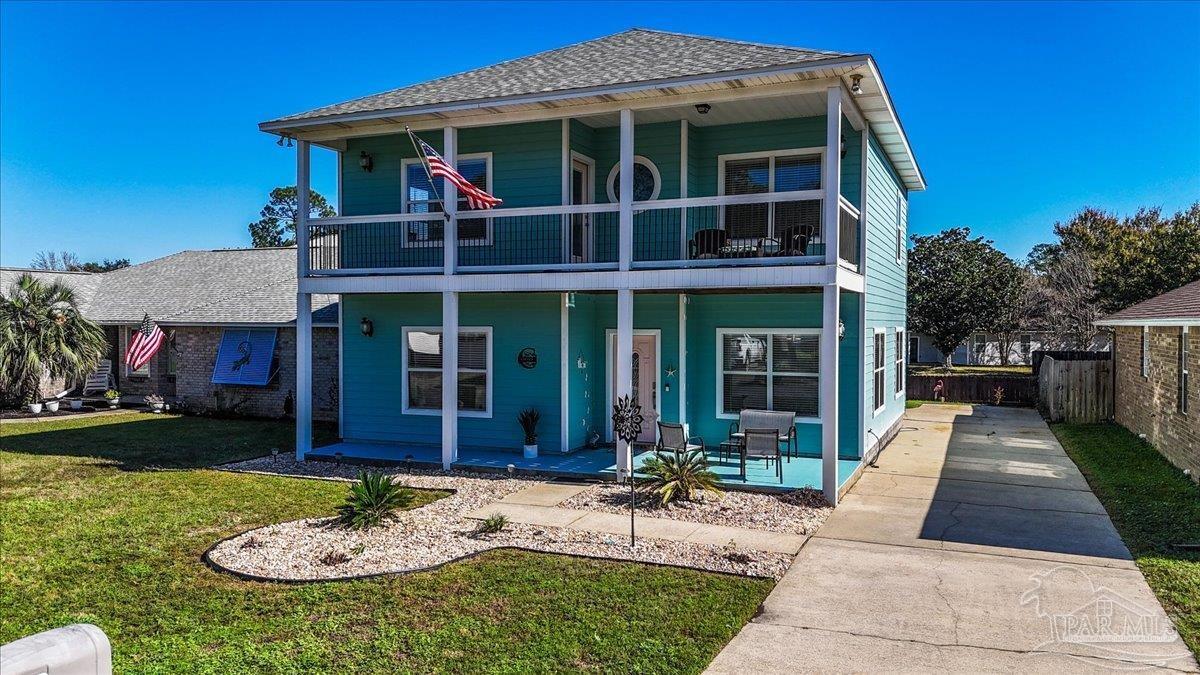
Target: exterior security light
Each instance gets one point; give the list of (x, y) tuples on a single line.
[(856, 85), (703, 108)]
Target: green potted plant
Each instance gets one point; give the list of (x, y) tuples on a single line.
[(113, 397), (528, 419), (155, 402)]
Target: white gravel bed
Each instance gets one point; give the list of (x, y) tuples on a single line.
[(437, 533), (796, 512)]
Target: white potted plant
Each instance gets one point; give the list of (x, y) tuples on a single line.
[(35, 407), (113, 397), (528, 419), (155, 402), (52, 405)]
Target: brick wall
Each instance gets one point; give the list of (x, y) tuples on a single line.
[(1150, 405), (196, 353)]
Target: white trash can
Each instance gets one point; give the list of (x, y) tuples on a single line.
[(78, 649)]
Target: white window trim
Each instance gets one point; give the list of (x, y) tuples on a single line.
[(900, 238), (1146, 352), (437, 412), (409, 161), (720, 370), (875, 333), (637, 159), (901, 360), (771, 155), (1185, 374)]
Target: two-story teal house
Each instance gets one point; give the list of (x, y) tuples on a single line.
[(708, 225)]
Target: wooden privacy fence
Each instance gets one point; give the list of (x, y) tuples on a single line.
[(974, 388), (1076, 391)]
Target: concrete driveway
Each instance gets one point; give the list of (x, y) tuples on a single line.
[(974, 544)]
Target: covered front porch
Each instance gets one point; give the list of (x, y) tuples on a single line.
[(595, 463)]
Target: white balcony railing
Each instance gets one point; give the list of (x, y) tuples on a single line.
[(780, 228)]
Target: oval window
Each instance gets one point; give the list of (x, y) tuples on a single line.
[(647, 182)]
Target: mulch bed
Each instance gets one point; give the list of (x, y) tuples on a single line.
[(65, 411)]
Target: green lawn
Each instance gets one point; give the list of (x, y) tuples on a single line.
[(1154, 507), (104, 521)]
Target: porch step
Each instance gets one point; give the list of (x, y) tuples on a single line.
[(651, 528)]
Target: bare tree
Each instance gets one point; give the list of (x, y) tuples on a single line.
[(1064, 299), (49, 260)]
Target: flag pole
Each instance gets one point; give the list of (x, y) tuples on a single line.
[(428, 172)]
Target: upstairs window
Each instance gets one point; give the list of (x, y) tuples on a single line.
[(423, 371), (419, 197), (763, 173)]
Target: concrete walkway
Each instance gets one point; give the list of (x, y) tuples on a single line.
[(536, 506), (975, 544)]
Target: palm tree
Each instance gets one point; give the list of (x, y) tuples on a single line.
[(43, 333)]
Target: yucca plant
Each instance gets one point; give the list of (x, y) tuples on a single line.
[(679, 475), (43, 333), (529, 419), (373, 498), (492, 524)]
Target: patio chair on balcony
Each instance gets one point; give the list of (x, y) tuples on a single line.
[(707, 244), (793, 240), (674, 437), (762, 444)]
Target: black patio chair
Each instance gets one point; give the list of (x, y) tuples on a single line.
[(707, 243)]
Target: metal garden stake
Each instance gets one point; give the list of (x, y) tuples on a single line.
[(627, 423)]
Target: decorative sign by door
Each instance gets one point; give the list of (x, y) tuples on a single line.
[(527, 357)]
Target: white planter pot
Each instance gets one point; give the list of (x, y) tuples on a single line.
[(76, 404), (114, 403), (35, 408), (157, 407), (531, 451), (52, 406)]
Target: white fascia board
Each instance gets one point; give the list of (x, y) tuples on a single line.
[(1180, 321)]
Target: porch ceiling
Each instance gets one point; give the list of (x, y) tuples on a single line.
[(808, 104)]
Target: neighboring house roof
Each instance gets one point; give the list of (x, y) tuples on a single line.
[(218, 287), (1173, 308), (83, 283), (637, 55)]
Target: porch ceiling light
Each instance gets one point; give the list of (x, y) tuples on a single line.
[(856, 85), (366, 162), (703, 108), (367, 327)]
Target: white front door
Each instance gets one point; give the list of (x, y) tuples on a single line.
[(644, 381), (582, 191)]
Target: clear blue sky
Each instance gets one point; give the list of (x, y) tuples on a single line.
[(129, 130)]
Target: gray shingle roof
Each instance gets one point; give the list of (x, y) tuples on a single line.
[(637, 55), (228, 286), (83, 283), (1181, 303)]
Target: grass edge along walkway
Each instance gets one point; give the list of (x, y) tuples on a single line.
[(1154, 507)]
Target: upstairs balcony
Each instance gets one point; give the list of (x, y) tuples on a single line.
[(747, 183)]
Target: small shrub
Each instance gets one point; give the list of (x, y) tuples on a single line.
[(112, 395), (492, 524), (529, 419), (358, 550), (373, 498), (677, 475), (998, 395), (332, 558)]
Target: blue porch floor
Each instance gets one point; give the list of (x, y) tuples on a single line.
[(600, 463)]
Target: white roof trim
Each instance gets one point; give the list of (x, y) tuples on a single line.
[(1158, 321)]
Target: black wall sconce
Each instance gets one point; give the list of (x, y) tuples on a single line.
[(365, 162), (843, 146), (367, 327)]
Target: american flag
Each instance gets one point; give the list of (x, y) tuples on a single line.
[(145, 343), (476, 198)]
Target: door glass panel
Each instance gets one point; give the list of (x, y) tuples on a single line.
[(636, 377)]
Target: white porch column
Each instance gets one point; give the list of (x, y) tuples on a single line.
[(564, 374), (450, 197), (625, 231), (683, 192), (449, 378), (624, 384), (681, 369), (829, 393), (303, 308), (832, 180)]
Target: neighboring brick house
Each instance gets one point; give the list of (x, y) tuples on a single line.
[(1157, 355), (203, 299)]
